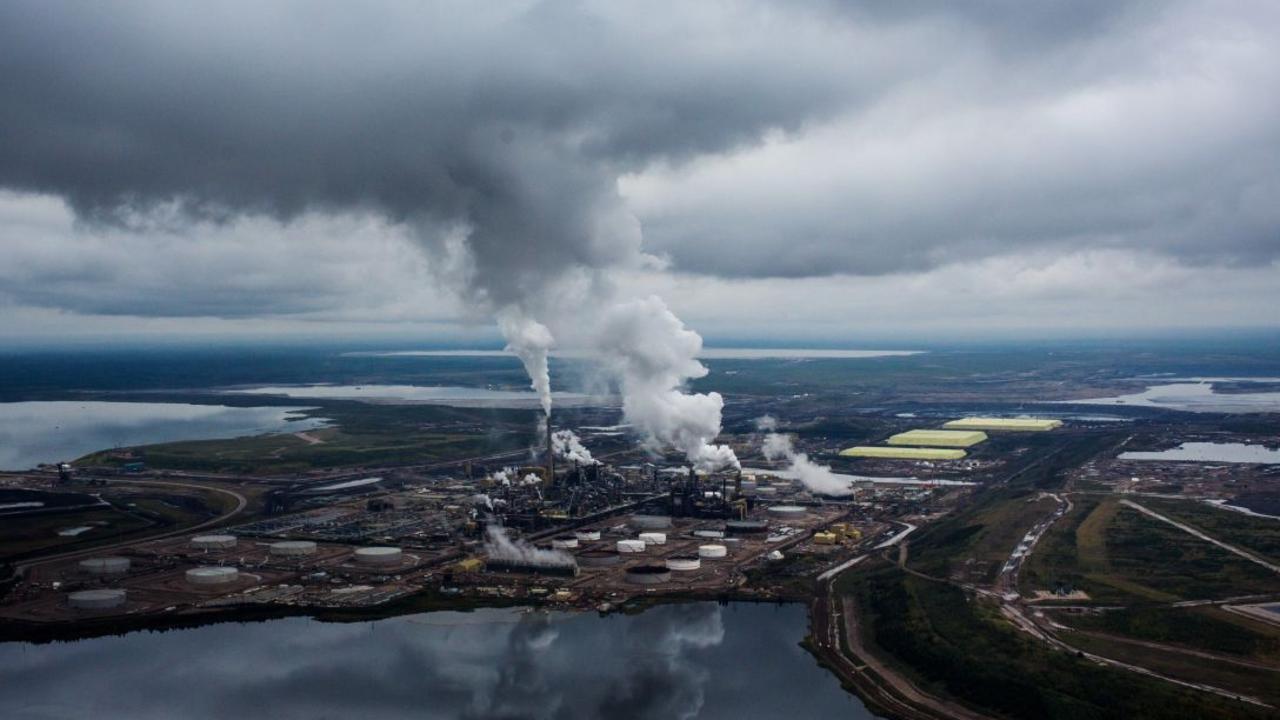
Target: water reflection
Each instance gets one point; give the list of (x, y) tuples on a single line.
[(681, 661)]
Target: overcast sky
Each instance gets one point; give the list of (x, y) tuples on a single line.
[(828, 170)]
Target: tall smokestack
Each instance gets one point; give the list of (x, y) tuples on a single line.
[(551, 455)]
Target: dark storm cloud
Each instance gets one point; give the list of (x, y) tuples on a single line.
[(509, 124)]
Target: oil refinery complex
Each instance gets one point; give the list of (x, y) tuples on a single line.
[(590, 534)]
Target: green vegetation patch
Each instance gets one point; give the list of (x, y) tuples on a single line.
[(1199, 628), (1261, 535), (963, 648), (1156, 555)]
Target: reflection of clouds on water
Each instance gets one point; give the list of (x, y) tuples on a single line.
[(667, 662), (644, 675), (666, 682)]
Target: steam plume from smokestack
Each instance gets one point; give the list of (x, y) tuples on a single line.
[(818, 478), (500, 547), (653, 355), (531, 341), (567, 445)]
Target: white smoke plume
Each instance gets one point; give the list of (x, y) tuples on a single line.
[(482, 500), (766, 423), (818, 478), (653, 356), (530, 479), (566, 444), (501, 477), (497, 546), (531, 341)]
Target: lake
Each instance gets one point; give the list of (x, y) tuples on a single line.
[(695, 660), (452, 395), (1210, 452), (1192, 397), (56, 431)]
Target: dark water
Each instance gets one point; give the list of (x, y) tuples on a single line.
[(697, 660)]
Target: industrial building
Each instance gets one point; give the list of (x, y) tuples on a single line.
[(1003, 424), (938, 438), (903, 453)]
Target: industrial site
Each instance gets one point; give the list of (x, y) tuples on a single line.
[(1097, 536)]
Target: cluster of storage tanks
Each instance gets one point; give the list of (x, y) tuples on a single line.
[(211, 575), (650, 534)]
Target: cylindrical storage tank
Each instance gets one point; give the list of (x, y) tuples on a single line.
[(293, 548), (650, 522), (213, 542), (587, 535), (212, 575), (684, 562), (654, 538), (598, 558), (564, 542), (649, 574), (787, 512), (711, 552), (630, 546), (96, 599), (113, 565), (766, 490), (709, 534), (746, 527), (379, 556)]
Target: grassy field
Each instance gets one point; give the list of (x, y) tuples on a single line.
[(1120, 556), (135, 512), (1255, 682), (1147, 552), (1201, 628), (1261, 535), (960, 647), (33, 534)]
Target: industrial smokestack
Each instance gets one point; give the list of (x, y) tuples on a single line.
[(551, 455)]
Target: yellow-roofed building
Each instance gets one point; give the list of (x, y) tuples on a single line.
[(939, 438), (903, 453), (1004, 424)]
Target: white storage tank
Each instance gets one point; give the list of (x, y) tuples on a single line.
[(784, 512), (654, 538), (598, 558), (293, 548), (711, 552), (587, 535), (112, 565), (213, 542), (649, 574), (709, 534), (684, 563), (379, 555), (630, 546), (212, 575), (564, 542), (96, 599)]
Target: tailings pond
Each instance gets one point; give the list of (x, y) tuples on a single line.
[(695, 660)]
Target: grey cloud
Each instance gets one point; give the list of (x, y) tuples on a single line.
[(510, 123)]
